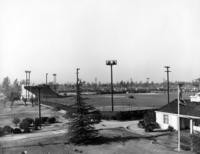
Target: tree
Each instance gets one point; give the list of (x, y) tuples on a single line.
[(6, 86), (16, 87), (82, 119), (15, 92), (16, 121)]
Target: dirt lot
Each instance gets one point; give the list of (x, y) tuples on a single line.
[(58, 145), (19, 110)]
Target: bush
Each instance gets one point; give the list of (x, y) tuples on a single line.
[(123, 115), (131, 97), (7, 130), (25, 126), (36, 123), (150, 127), (16, 121), (149, 117), (51, 120), (141, 124), (28, 120), (1, 131), (170, 128), (17, 131), (196, 142), (44, 119)]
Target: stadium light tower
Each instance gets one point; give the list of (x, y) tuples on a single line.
[(167, 67), (27, 83), (111, 63)]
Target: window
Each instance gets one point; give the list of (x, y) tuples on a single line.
[(165, 119)]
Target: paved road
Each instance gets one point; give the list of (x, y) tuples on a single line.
[(31, 136)]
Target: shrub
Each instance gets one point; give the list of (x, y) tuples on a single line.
[(25, 126), (151, 126), (149, 117), (52, 120), (170, 128), (28, 120), (123, 115), (1, 131), (141, 124), (131, 97), (196, 142), (7, 130), (17, 131), (44, 119), (36, 123), (16, 121)]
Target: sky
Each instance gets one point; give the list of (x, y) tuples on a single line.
[(57, 36)]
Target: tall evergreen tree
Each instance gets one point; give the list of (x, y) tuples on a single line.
[(82, 119)]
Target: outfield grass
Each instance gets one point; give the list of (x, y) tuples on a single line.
[(122, 100)]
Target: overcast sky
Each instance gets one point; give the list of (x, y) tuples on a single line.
[(57, 36)]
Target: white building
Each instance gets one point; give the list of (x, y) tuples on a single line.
[(189, 116)]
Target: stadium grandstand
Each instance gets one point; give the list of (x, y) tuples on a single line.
[(45, 91)]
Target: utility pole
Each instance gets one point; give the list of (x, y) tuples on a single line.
[(39, 103), (178, 116), (167, 70), (77, 86), (46, 78), (111, 63)]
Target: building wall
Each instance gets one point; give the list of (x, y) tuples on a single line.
[(171, 117), (184, 122), (196, 128)]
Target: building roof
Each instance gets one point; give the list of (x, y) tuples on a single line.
[(186, 108)]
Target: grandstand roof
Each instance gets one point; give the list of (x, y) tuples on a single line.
[(45, 90)]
